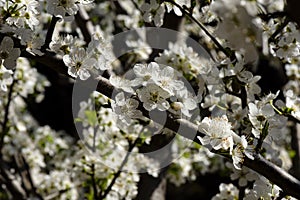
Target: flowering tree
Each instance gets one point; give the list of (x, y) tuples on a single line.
[(160, 92)]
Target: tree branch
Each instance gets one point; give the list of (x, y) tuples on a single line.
[(289, 184), (49, 34)]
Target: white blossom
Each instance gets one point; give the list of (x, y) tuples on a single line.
[(126, 109), (185, 60), (79, 63), (154, 97), (63, 8), (121, 83), (145, 73), (153, 12), (62, 45), (258, 116), (217, 132), (166, 79), (6, 78), (243, 175), (8, 54), (227, 191), (25, 14)]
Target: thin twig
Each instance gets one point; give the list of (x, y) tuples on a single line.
[(50, 32), (11, 182), (93, 168), (190, 15), (279, 29), (94, 182), (118, 173), (5, 128), (85, 25)]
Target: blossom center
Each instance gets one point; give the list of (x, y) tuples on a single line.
[(78, 65), (260, 118), (64, 3), (4, 54), (154, 96)]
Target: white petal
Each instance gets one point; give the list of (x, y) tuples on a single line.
[(83, 74)]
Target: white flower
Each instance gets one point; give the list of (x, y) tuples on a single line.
[(102, 51), (25, 14), (166, 79), (63, 8), (258, 116), (153, 12), (62, 45), (183, 102), (243, 175), (140, 47), (252, 87), (185, 60), (78, 63), (34, 44), (287, 48), (293, 102), (218, 133), (153, 97), (9, 54), (263, 189), (176, 10), (121, 83), (145, 73), (240, 150), (227, 191), (6, 78), (238, 28), (126, 109), (292, 71)]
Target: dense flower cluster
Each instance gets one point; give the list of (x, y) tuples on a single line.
[(157, 87)]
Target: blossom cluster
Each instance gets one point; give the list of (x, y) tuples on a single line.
[(158, 87), (83, 62)]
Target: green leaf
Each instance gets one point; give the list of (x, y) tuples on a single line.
[(91, 117), (77, 120)]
